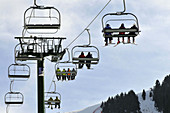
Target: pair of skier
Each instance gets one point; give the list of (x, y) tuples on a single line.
[(87, 62)]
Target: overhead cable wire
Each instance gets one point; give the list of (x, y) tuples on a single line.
[(81, 34), (51, 84), (89, 24)]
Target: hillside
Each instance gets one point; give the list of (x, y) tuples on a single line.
[(146, 106), (155, 100), (90, 109)]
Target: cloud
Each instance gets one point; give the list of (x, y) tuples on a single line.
[(120, 68)]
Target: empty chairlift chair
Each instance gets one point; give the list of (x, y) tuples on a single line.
[(42, 20), (19, 71), (14, 98), (27, 51)]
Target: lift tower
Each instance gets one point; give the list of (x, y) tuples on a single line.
[(38, 49), (40, 22)]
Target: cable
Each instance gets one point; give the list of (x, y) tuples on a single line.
[(7, 108), (51, 84), (80, 35), (89, 24)]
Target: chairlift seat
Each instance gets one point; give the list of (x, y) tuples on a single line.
[(120, 30), (120, 35), (127, 31), (18, 76), (93, 60), (18, 71), (13, 102), (46, 102), (61, 73), (42, 26), (125, 35)]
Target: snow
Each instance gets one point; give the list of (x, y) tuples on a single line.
[(147, 105), (90, 109)]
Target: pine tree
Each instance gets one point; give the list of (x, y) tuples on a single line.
[(150, 94), (144, 94)]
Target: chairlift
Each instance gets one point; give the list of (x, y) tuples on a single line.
[(91, 51), (77, 50), (53, 98), (115, 20), (42, 20), (15, 98), (28, 52), (18, 71), (115, 31), (65, 71)]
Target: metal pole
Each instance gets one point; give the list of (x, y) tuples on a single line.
[(40, 86)]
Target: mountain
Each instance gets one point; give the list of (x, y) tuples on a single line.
[(91, 109), (146, 106), (155, 100)]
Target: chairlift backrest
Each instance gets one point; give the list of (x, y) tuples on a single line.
[(16, 98)]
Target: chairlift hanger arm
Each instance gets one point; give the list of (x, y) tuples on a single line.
[(11, 85), (89, 37), (124, 5), (35, 3), (68, 61)]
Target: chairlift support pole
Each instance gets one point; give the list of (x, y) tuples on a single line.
[(35, 3), (40, 86), (89, 36), (124, 5)]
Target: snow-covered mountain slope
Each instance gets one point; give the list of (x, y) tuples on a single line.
[(91, 109), (146, 106)]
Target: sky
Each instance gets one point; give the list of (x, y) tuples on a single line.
[(120, 69)]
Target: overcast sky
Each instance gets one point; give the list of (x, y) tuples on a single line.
[(120, 68)]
